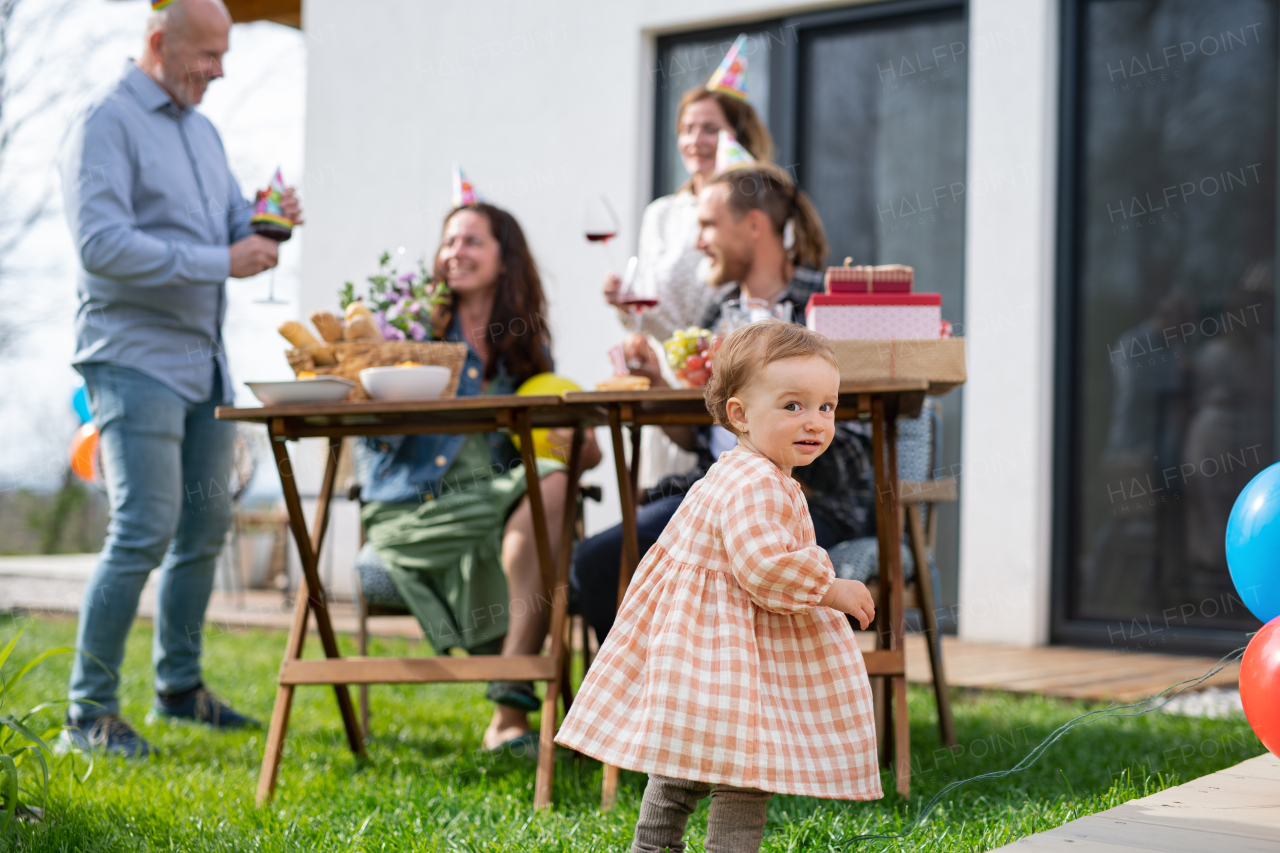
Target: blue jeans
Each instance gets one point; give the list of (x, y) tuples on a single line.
[(166, 462)]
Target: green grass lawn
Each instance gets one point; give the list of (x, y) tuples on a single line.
[(428, 787)]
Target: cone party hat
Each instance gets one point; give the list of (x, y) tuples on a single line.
[(266, 208), (730, 154), (731, 76), (463, 191)]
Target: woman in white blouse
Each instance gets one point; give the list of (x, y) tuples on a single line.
[(669, 264)]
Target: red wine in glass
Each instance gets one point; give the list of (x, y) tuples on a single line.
[(600, 224), (639, 303), (277, 232)]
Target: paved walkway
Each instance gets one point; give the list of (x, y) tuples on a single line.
[(1236, 810), (54, 585)]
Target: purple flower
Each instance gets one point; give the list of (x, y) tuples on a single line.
[(406, 278), (393, 311), (417, 331), (415, 307)]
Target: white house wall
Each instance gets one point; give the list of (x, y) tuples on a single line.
[(1009, 253)]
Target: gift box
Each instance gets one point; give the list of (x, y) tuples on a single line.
[(875, 316), (940, 362), (888, 278)]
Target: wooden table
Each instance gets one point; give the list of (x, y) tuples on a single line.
[(882, 402), (456, 415)]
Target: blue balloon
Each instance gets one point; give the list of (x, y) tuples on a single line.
[(1253, 544), (80, 402)]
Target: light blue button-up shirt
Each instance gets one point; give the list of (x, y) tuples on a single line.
[(152, 206)]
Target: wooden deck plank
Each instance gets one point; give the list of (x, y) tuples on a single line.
[(1055, 844), (1133, 835), (1231, 811), (1061, 671), (1265, 766)]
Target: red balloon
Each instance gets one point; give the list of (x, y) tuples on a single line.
[(84, 452), (1260, 684)]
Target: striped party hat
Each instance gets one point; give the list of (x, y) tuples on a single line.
[(731, 76), (730, 154), (464, 193)]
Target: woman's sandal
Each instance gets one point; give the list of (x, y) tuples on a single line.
[(514, 694)]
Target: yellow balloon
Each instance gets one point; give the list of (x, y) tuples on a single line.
[(545, 384)]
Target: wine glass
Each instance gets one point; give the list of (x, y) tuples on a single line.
[(637, 296), (279, 233), (601, 225)]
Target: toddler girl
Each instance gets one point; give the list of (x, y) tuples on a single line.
[(731, 669)]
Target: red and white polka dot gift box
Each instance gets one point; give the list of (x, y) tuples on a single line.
[(875, 316)]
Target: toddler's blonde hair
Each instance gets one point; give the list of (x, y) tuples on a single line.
[(749, 349)]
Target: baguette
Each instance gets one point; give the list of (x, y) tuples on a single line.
[(358, 308), (329, 326), (297, 334)]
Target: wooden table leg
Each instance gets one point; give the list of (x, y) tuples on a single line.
[(627, 498), (310, 596), (896, 744), (630, 559), (542, 543), (568, 528), (636, 432), (284, 702)]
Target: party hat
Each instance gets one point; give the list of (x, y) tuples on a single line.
[(157, 5), (463, 191), (267, 205), (731, 76), (730, 154)]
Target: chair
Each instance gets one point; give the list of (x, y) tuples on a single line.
[(919, 447), (376, 595)]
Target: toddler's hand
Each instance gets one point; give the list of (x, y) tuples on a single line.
[(851, 597), (864, 606)]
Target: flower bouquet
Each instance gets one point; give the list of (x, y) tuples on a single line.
[(386, 323), (401, 305)]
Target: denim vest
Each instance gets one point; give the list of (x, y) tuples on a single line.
[(409, 468)]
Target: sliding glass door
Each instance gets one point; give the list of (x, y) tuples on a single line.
[(1167, 336)]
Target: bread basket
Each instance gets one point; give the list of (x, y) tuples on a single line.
[(354, 356)]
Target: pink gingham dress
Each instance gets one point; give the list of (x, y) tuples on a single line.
[(721, 667)]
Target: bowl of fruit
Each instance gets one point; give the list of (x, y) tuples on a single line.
[(691, 354)]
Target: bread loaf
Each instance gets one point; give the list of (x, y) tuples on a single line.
[(624, 383), (329, 326), (297, 334), (361, 327)]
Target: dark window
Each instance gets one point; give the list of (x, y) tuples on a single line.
[(1167, 355)]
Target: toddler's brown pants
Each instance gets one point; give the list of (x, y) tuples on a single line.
[(735, 823)]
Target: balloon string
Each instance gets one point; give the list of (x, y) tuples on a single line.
[(1057, 734)]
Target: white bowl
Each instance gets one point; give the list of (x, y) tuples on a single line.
[(322, 389), (425, 382)]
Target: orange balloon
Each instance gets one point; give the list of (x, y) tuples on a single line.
[(1260, 684), (84, 453)]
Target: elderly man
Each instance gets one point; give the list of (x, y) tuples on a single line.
[(159, 223)]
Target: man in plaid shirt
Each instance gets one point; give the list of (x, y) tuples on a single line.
[(746, 245)]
